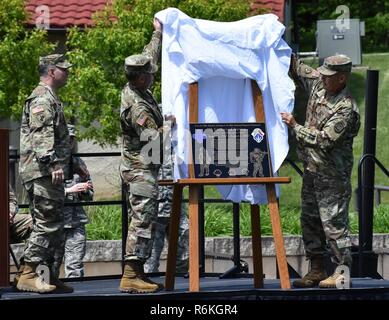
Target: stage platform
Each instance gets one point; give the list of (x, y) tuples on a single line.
[(211, 288)]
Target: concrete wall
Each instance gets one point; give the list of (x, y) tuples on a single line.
[(104, 171), (103, 257)]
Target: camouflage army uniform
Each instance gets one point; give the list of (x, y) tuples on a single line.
[(139, 113), (75, 219), (325, 147), (44, 148), (161, 226), (13, 203), (20, 224)]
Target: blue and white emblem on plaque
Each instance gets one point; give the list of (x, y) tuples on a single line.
[(258, 135)]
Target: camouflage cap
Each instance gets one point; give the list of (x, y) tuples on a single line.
[(72, 130), (58, 60), (334, 64), (141, 63)]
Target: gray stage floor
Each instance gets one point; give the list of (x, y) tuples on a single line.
[(211, 288)]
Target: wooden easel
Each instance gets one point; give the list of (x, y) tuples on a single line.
[(194, 187)]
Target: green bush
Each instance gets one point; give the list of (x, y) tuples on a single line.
[(20, 49), (105, 222), (377, 33)]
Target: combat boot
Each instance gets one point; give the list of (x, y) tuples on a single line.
[(134, 279), (61, 287), (18, 274), (30, 281), (314, 276), (338, 278)]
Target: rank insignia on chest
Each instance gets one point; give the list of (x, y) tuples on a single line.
[(142, 120)]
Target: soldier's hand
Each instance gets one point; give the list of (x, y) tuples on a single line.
[(157, 25), (171, 118), (88, 185), (57, 176), (79, 187), (288, 119)]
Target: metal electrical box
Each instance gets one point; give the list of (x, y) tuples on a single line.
[(340, 37)]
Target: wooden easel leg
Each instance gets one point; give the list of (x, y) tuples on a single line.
[(256, 244), (278, 238), (194, 276), (173, 237)]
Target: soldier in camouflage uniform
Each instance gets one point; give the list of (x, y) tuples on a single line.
[(44, 161), (20, 224), (20, 227), (77, 189), (139, 116), (161, 226), (325, 147)]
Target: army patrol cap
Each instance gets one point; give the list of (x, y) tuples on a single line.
[(335, 64), (72, 130), (140, 63), (58, 60)]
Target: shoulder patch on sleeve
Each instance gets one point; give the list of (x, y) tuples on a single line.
[(142, 119), (307, 71), (151, 124), (339, 126)]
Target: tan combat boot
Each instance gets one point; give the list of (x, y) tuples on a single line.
[(17, 276), (314, 276), (336, 279), (134, 279), (30, 281)]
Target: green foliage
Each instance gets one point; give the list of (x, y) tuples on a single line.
[(217, 10), (98, 53), (19, 53), (105, 222), (377, 33), (375, 14), (218, 220), (380, 222), (357, 87), (381, 219)]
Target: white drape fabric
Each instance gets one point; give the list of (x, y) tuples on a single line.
[(223, 57)]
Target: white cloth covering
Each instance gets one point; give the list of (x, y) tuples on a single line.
[(222, 57)]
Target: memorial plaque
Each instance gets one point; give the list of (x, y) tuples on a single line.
[(230, 150)]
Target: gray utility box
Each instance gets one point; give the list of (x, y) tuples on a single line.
[(340, 37)]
